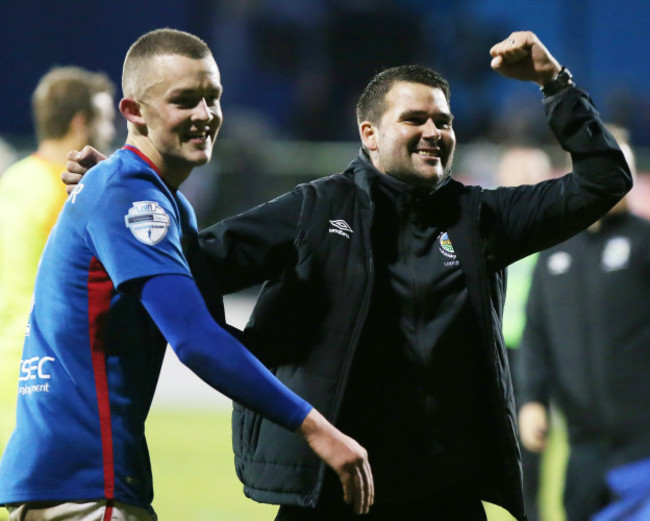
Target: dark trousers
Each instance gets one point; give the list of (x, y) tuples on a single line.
[(585, 489), (449, 507)]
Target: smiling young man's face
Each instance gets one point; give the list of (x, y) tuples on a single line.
[(414, 139), (182, 110)]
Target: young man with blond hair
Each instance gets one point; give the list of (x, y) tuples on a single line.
[(107, 299)]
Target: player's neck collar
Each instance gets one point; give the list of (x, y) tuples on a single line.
[(142, 156)]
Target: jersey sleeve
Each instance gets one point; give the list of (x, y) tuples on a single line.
[(135, 231), (216, 356)]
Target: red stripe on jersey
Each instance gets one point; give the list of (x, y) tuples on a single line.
[(108, 513), (100, 291), (138, 153)]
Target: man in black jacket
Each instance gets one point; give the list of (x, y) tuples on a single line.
[(383, 293), (586, 346), (383, 297)]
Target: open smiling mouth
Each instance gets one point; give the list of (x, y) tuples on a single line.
[(202, 136), (429, 153)]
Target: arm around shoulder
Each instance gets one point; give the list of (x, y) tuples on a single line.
[(253, 246)]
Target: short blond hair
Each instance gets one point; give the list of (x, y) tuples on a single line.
[(159, 42)]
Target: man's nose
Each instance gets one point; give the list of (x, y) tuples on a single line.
[(202, 111), (430, 131)]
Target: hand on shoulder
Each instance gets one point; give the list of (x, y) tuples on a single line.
[(79, 162)]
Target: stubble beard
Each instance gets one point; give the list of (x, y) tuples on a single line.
[(413, 177)]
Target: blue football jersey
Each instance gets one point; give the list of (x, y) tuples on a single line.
[(92, 355)]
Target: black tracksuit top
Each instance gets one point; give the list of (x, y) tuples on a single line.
[(587, 337), (414, 377)]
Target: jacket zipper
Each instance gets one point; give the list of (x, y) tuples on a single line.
[(351, 350), (363, 312)]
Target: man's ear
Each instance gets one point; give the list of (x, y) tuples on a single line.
[(130, 109), (368, 132)]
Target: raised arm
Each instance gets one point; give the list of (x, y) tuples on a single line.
[(521, 220)]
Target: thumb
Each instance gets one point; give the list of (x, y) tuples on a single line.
[(496, 62)]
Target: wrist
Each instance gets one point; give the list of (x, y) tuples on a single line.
[(559, 82), (311, 424)]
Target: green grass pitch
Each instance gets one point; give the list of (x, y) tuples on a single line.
[(194, 476)]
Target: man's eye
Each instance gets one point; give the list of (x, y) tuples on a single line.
[(185, 102)]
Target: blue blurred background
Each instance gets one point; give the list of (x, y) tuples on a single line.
[(293, 68)]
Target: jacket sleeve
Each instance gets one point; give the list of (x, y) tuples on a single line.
[(254, 246), (517, 221), (534, 361)]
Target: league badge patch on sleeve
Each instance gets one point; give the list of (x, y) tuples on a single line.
[(147, 221)]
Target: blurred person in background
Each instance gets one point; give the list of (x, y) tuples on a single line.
[(71, 107), (383, 293), (521, 165), (586, 348), (8, 155)]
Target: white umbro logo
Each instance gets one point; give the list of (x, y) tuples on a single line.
[(340, 227)]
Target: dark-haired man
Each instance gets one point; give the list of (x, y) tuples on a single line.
[(383, 295), (118, 257)]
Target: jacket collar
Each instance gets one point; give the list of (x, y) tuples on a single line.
[(366, 176), (364, 172)]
